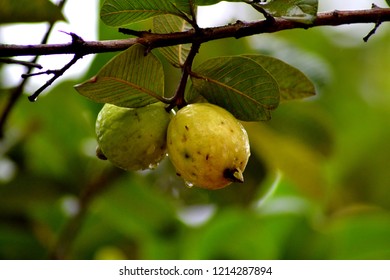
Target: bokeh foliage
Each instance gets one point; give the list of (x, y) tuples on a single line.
[(316, 185)]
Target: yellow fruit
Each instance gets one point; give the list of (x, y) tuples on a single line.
[(208, 146), (132, 138)]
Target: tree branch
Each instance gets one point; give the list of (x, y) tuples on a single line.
[(239, 29), (18, 91)]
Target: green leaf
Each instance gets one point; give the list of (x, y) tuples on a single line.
[(304, 11), (293, 84), (238, 84), (122, 12), (12, 11), (239, 230), (130, 79), (206, 2), (176, 55), (134, 209), (358, 232), (296, 160), (212, 2), (388, 2)]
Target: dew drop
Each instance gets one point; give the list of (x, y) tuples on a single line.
[(188, 184), (33, 98)]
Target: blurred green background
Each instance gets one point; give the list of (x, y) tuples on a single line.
[(317, 184)]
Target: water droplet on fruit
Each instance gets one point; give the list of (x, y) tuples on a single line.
[(188, 184)]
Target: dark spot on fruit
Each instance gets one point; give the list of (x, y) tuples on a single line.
[(186, 127), (186, 155), (184, 138), (207, 157), (222, 122), (198, 152), (178, 174), (231, 130)]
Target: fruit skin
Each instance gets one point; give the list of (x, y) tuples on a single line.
[(132, 138), (208, 146)]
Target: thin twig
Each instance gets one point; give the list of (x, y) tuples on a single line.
[(178, 99), (194, 22), (47, 72), (18, 91), (372, 32), (20, 62), (57, 74), (259, 8), (76, 41)]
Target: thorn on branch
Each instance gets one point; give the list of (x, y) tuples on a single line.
[(76, 39)]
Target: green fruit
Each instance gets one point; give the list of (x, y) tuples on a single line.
[(208, 146), (132, 138)]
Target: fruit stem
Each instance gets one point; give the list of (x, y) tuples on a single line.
[(178, 98)]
